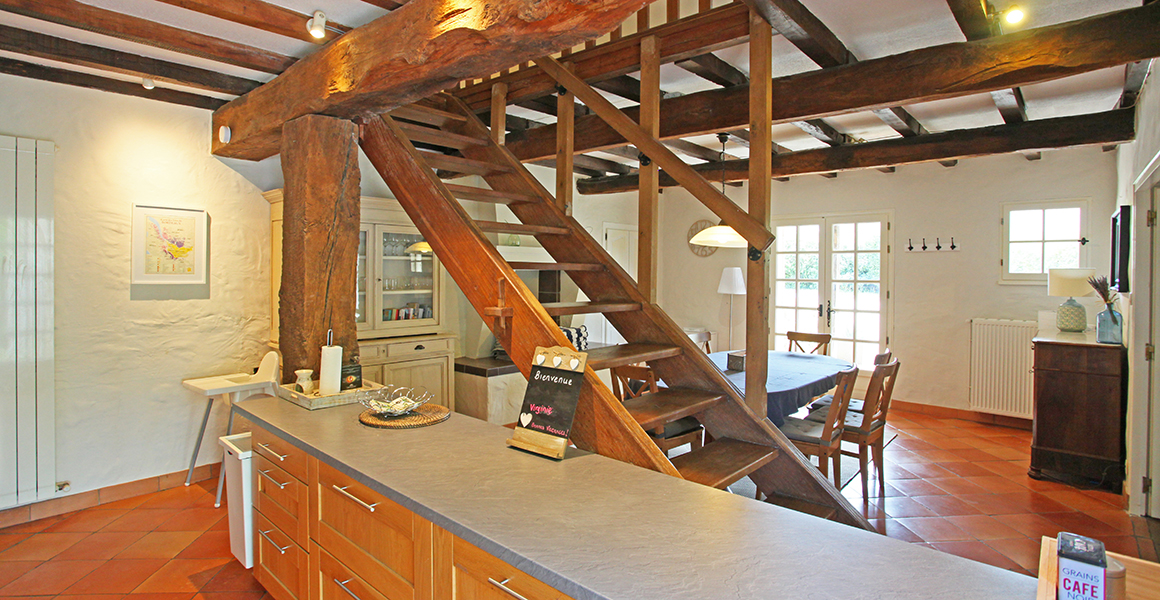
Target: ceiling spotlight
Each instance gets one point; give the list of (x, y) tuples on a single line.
[(317, 25), (1014, 15), (147, 83)]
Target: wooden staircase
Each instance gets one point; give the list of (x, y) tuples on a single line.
[(743, 445)]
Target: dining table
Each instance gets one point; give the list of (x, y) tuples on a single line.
[(793, 379)]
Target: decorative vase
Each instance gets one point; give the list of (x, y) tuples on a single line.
[(1110, 326), (304, 381)]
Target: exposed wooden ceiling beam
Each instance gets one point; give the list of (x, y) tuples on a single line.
[(722, 27), (1010, 104), (1115, 126), (405, 56), (901, 120), (44, 46), (697, 151), (805, 31), (385, 4), (823, 132), (547, 106), (34, 71), (142, 31), (513, 123), (1134, 75), (624, 86), (264, 16), (971, 15), (577, 168), (935, 73), (711, 68)]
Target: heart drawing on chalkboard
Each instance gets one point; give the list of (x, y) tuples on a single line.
[(540, 359), (556, 361), (525, 418), (572, 364)]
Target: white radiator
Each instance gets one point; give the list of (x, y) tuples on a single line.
[(1001, 362)]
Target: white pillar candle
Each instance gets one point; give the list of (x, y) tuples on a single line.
[(330, 371)]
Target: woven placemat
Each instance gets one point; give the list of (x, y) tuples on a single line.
[(428, 414)]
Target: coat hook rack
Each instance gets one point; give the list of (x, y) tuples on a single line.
[(937, 246)]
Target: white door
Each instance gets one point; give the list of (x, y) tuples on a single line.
[(620, 242), (830, 276)]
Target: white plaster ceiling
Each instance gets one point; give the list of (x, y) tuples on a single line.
[(870, 29)]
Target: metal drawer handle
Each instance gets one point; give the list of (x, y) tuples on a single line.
[(500, 585), (266, 474), (342, 584), (271, 451), (342, 490), (281, 549), (420, 347)]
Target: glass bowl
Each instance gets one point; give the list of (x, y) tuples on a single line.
[(394, 401)]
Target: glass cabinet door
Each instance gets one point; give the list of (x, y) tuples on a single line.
[(408, 286), (364, 278)]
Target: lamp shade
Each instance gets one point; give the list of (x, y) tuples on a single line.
[(732, 282), (420, 247), (1069, 283), (720, 236)]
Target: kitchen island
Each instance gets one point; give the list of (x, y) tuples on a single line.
[(595, 528)]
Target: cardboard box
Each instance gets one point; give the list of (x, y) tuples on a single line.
[(735, 361)]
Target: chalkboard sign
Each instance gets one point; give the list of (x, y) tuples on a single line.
[(550, 402)]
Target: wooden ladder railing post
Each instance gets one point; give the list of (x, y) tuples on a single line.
[(499, 92), (760, 189), (565, 135), (648, 221)]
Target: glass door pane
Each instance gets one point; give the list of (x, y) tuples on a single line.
[(797, 280), (408, 285), (363, 280), (854, 307)]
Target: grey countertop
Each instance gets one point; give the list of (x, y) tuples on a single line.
[(597, 528)]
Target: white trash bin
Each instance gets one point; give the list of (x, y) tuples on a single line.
[(239, 490)]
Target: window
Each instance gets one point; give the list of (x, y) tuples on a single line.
[(1042, 236)]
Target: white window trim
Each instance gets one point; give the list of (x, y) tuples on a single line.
[(1006, 277)]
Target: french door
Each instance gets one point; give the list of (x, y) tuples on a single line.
[(830, 276)]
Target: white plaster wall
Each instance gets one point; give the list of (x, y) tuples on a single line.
[(122, 414), (935, 296)]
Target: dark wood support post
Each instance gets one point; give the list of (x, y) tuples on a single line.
[(499, 112), (319, 240), (648, 207), (565, 157), (760, 188)]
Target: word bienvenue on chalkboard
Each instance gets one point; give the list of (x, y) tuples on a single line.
[(550, 401)]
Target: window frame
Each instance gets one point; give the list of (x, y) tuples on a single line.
[(1005, 275)]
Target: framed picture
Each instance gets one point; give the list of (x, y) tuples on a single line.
[(169, 245), (1121, 248)]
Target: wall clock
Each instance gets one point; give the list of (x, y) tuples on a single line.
[(694, 230)]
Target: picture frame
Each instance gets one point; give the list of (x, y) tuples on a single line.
[(1121, 243), (169, 246)]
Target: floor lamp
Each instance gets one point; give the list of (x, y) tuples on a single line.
[(732, 283)]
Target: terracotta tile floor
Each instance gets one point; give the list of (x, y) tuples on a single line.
[(955, 486), (962, 487), (170, 545)]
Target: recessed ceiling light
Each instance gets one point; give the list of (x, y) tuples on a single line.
[(1014, 15), (147, 83), (317, 25)]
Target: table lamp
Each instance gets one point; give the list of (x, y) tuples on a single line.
[(732, 283), (1070, 283)]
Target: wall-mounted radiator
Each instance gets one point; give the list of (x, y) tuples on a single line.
[(1001, 362)]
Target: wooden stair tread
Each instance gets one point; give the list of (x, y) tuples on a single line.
[(722, 462), (669, 404), (803, 506), (427, 114), (438, 137), (584, 308), (521, 228), (460, 165), (467, 192), (537, 266), (628, 354)]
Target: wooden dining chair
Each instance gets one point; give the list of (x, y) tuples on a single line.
[(821, 342), (818, 407), (824, 440), (634, 381), (868, 428)]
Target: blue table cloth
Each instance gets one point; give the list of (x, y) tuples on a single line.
[(793, 380)]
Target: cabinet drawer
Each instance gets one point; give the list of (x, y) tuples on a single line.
[(280, 565), (378, 539), (280, 452), (481, 576), (371, 352), (1079, 359), (337, 582), (282, 499), (415, 347)]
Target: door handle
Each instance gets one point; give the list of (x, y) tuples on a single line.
[(342, 490), (829, 314), (509, 591), (281, 549), (342, 584), (266, 474)]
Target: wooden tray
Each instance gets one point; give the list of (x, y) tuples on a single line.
[(1142, 578), (427, 414), (314, 401)]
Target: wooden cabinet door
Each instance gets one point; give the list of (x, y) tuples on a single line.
[(478, 575), (432, 373), (1078, 413)]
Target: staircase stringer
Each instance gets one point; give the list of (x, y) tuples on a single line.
[(791, 473), (602, 424)]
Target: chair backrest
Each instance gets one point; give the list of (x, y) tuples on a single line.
[(623, 378), (821, 342), (836, 416), (881, 359), (878, 394), (701, 338)]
